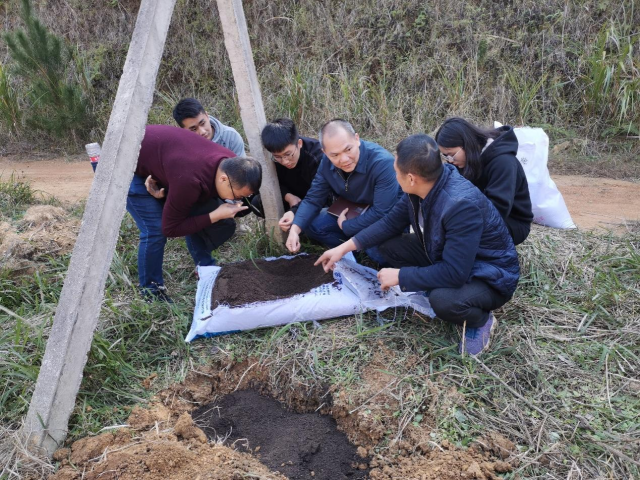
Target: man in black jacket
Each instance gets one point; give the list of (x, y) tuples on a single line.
[(296, 158), (460, 254)]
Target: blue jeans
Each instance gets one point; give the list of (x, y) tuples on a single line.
[(147, 213), (325, 230)]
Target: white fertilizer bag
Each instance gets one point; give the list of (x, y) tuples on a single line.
[(356, 289), (363, 282), (548, 205)]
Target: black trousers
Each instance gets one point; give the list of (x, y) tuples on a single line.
[(471, 303), (214, 235)]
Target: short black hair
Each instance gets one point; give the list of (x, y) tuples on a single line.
[(332, 126), (187, 108), (279, 134), (419, 154), (243, 172)]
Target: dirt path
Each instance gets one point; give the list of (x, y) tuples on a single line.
[(67, 180), (600, 202), (592, 202)]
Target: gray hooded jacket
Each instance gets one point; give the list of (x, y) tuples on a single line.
[(227, 137)]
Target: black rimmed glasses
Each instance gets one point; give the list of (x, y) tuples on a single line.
[(242, 200), (233, 194), (286, 157)]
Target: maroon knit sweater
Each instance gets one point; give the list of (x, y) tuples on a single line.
[(186, 164)]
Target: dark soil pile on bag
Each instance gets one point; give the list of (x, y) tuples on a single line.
[(298, 445), (261, 281)]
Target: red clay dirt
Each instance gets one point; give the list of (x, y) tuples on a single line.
[(67, 180), (594, 203)]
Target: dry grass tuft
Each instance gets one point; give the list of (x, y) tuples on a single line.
[(18, 461)]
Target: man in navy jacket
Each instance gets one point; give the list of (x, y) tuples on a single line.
[(460, 254), (359, 171)]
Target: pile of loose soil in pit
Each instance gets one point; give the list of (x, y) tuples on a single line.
[(261, 281), (298, 445), (445, 464)]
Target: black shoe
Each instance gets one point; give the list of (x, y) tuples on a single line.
[(158, 295)]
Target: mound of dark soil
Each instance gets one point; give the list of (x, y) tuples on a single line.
[(298, 445), (261, 281)]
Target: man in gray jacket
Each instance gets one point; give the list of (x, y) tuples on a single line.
[(191, 115)]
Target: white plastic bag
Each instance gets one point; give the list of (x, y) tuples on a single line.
[(355, 290), (363, 282), (548, 205)]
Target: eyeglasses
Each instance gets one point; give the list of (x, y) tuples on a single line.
[(449, 158), (235, 199), (242, 200), (284, 157)]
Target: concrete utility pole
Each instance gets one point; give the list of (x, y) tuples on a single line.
[(79, 306), (236, 39)]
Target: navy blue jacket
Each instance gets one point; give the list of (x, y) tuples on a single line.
[(464, 237), (372, 182)]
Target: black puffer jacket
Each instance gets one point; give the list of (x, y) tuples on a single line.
[(464, 237), (504, 183)]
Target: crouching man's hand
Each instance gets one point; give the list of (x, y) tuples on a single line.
[(286, 221), (226, 210), (293, 241), (329, 258), (389, 277)]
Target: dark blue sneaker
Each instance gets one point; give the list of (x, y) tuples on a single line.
[(476, 340)]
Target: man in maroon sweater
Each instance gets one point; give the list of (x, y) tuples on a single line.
[(185, 185)]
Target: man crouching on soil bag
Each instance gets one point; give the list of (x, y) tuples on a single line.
[(461, 254), (353, 169), (185, 185)]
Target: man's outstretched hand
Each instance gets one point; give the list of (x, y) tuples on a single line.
[(286, 221), (329, 258)]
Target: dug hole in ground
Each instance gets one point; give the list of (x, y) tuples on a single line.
[(227, 421)]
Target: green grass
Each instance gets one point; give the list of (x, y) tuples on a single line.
[(15, 196), (561, 379), (10, 113)]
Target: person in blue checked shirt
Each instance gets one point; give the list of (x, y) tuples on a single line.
[(357, 170)]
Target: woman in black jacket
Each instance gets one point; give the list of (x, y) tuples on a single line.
[(487, 158)]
